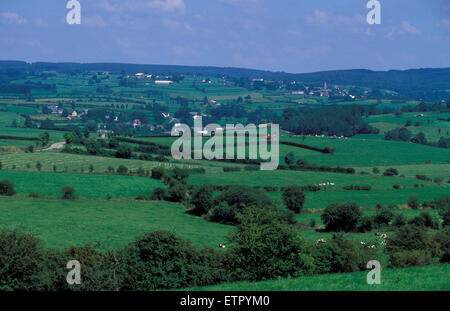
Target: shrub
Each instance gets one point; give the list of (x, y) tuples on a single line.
[(273, 250), (339, 256), (341, 217), (177, 192), (390, 172), (123, 152), (122, 170), (158, 172), (159, 194), (7, 188), (399, 220), (408, 237), (413, 202), (375, 170), (383, 216), (202, 200), (67, 193), (289, 159), (294, 198), (424, 219), (21, 261), (442, 240), (222, 213), (412, 258), (231, 169), (162, 260), (366, 224)]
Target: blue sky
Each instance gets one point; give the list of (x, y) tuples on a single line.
[(280, 35)]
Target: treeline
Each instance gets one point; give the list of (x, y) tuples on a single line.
[(335, 120), (18, 138), (322, 150), (403, 134)]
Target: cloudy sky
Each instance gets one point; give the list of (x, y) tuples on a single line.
[(281, 35)]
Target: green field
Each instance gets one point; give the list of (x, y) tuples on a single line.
[(65, 223), (430, 278), (87, 186), (382, 187)]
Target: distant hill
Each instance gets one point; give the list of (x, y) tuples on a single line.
[(429, 83)]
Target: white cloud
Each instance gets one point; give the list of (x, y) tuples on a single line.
[(408, 28), (12, 18)]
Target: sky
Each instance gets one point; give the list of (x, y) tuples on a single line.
[(280, 35)]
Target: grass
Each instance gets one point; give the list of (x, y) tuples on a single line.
[(87, 186), (357, 152), (74, 162), (382, 187), (113, 223), (429, 278)]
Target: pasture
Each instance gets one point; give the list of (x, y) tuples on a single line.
[(87, 186), (429, 278), (112, 223)]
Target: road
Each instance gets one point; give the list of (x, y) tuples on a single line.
[(55, 146)]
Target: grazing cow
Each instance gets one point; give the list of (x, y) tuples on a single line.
[(362, 243), (384, 236), (320, 241), (222, 246)]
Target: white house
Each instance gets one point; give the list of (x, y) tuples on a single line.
[(163, 82)]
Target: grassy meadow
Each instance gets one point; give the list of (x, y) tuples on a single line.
[(430, 278)]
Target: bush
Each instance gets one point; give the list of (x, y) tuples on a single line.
[(21, 261), (123, 152), (162, 260), (159, 194), (231, 169), (340, 256), (366, 224), (408, 237), (376, 170), (413, 202), (424, 219), (7, 188), (273, 250), (202, 200), (232, 200), (122, 170), (412, 258), (222, 213), (442, 240), (391, 172), (294, 198), (177, 192), (158, 172), (341, 217), (383, 216), (399, 220), (67, 193)]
